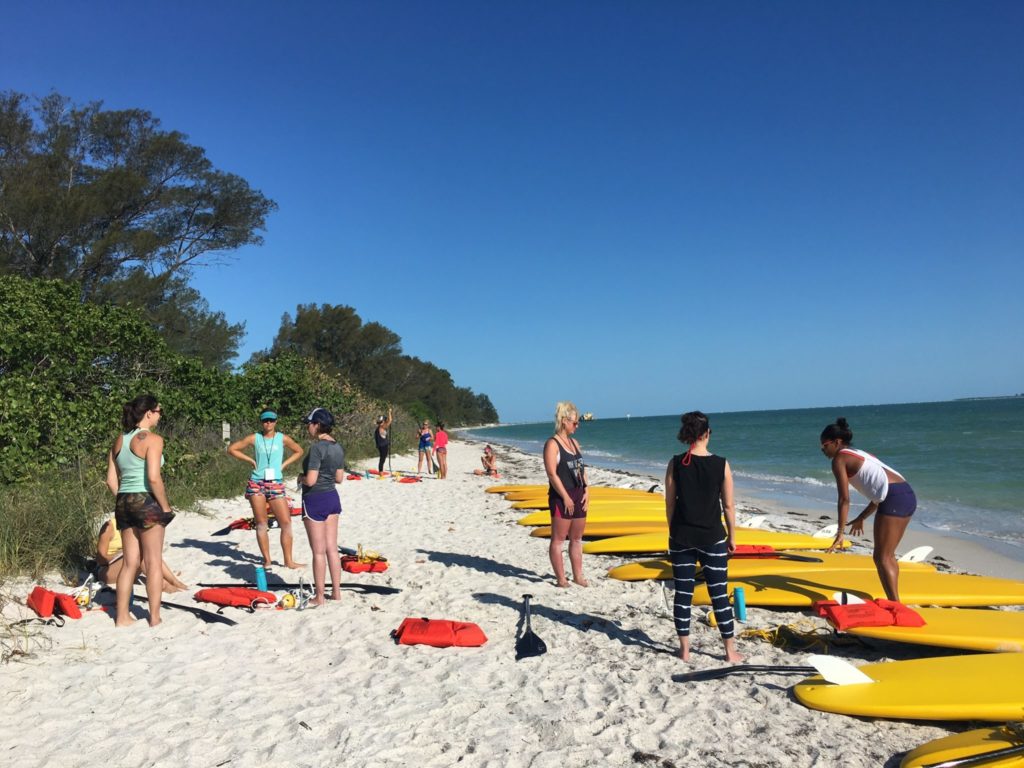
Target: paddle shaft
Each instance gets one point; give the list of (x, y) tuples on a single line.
[(739, 669)]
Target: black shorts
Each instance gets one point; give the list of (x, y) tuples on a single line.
[(139, 510)]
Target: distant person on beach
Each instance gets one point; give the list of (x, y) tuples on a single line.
[(322, 469), (698, 487), (381, 439), (489, 463), (110, 559), (265, 487), (887, 491), (425, 450), (441, 450), (141, 511), (568, 497)]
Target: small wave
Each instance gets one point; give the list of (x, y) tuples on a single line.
[(767, 478)]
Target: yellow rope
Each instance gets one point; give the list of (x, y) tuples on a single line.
[(804, 634)]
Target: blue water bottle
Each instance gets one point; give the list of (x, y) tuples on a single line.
[(261, 578), (739, 601)]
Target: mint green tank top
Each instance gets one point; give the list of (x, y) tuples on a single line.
[(269, 455), (131, 468)]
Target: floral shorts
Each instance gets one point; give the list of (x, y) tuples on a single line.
[(268, 489)]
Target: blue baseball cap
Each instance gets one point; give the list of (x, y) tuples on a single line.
[(268, 416), (319, 416)]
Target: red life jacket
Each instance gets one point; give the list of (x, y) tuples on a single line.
[(873, 613), (47, 603), (236, 597), (753, 549), (351, 564), (440, 633)]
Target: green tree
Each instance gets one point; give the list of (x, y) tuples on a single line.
[(102, 197)]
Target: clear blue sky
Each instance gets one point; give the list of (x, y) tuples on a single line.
[(642, 207)]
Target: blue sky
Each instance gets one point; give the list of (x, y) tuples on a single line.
[(643, 207)]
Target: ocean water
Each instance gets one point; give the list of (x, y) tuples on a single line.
[(964, 458)]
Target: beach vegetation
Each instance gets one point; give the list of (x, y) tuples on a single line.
[(370, 356), (110, 200)]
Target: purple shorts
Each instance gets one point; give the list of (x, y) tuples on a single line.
[(900, 501), (557, 506), (319, 506)]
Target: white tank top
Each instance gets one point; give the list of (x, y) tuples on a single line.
[(871, 479)]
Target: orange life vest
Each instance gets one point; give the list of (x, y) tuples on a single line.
[(440, 633)]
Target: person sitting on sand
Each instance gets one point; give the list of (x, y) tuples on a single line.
[(698, 486), (887, 491), (489, 462), (568, 497), (265, 487), (110, 559)]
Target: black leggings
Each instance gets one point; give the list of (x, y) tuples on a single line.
[(383, 450), (714, 561)]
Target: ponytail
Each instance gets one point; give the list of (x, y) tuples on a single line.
[(134, 410)]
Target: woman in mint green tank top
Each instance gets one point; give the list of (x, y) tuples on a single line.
[(265, 488), (142, 511)]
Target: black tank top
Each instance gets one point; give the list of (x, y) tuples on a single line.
[(697, 519), (569, 468)]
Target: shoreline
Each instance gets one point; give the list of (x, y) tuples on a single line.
[(967, 553), (302, 689)]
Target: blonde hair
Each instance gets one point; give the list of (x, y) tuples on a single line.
[(564, 410)]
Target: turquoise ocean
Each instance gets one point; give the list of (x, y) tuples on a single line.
[(964, 458)]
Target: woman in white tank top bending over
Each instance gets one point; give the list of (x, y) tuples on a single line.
[(887, 491)]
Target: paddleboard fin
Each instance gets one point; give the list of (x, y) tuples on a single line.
[(916, 555), (828, 532)]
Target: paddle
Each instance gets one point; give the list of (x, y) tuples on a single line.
[(377, 589), (981, 758), (740, 669), (775, 556), (834, 671), (529, 644)]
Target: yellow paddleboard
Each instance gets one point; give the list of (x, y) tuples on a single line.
[(658, 542), (595, 492), (602, 530), (984, 686), (972, 744), (741, 567), (967, 629), (599, 501), (916, 588), (610, 514)]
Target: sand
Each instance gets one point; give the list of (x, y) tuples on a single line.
[(329, 687)]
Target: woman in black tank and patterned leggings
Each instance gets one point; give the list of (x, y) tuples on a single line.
[(567, 494), (698, 485)]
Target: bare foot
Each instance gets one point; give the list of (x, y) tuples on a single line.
[(731, 654), (563, 584), (684, 654), (154, 623), (268, 564), (581, 582), (126, 622), (294, 565)]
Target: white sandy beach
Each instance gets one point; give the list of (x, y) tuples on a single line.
[(328, 687)]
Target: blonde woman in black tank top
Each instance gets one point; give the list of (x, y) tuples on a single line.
[(567, 494)]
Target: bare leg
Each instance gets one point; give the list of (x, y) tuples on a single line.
[(152, 540), (333, 557), (576, 526), (317, 535), (171, 582), (126, 578), (419, 462), (284, 518), (442, 459), (731, 654), (559, 531), (888, 533), (259, 511), (684, 647)]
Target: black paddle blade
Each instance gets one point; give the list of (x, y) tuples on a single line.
[(529, 644), (740, 669)]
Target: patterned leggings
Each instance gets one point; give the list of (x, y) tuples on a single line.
[(714, 561)]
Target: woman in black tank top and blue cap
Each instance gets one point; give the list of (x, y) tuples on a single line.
[(698, 489), (567, 494)]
